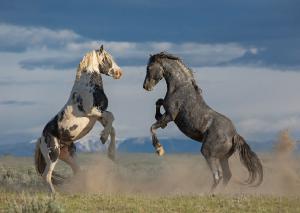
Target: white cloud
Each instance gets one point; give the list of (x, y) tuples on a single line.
[(40, 42), (269, 126), (260, 101), (12, 36), (196, 53)]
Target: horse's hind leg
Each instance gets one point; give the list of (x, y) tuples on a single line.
[(226, 170), (67, 154), (214, 166), (50, 151), (112, 144), (106, 120)]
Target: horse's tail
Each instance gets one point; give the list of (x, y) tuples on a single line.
[(250, 160), (40, 165), (39, 160)]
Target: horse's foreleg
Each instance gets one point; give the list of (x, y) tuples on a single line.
[(106, 120), (161, 123), (158, 104)]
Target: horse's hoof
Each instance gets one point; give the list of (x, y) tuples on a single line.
[(160, 151), (111, 156), (163, 126)]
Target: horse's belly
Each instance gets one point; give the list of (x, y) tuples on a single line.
[(74, 129), (185, 125)]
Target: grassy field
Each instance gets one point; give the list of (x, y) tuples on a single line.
[(137, 183)]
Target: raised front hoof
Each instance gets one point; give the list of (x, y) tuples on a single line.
[(160, 151), (103, 137), (159, 102), (163, 126)]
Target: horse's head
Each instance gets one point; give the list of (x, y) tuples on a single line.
[(107, 65), (100, 61), (154, 73)]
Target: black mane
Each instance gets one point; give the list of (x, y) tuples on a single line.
[(163, 55), (160, 55)]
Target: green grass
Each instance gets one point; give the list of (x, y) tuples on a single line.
[(21, 190), (41, 202)]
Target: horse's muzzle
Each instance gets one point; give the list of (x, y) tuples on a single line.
[(118, 74), (147, 86)]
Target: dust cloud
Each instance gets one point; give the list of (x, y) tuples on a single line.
[(186, 173)]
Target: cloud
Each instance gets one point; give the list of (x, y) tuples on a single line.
[(58, 49), (44, 48), (258, 106), (194, 53), (262, 127), (15, 38), (17, 103), (259, 100), (55, 63), (283, 55)]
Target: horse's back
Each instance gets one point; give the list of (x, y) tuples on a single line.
[(196, 119)]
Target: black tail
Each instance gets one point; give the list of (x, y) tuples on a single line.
[(250, 161), (40, 165)]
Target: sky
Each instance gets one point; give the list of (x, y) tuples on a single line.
[(245, 55)]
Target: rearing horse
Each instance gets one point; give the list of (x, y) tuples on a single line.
[(86, 105), (185, 106)]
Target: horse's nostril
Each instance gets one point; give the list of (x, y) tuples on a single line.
[(118, 74)]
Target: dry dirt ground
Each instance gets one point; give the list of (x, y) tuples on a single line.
[(145, 182)]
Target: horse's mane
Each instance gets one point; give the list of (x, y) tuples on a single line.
[(163, 55), (88, 62)]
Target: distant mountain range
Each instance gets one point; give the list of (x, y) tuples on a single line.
[(131, 145)]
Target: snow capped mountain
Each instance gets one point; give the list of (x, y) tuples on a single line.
[(91, 143)]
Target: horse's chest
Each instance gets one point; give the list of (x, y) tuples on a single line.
[(89, 93)]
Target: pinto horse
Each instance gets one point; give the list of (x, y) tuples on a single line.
[(185, 106), (86, 105)]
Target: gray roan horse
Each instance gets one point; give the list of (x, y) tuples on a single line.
[(86, 105), (185, 106)]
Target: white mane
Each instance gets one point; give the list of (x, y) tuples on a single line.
[(90, 62)]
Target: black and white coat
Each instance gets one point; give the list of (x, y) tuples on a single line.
[(86, 105)]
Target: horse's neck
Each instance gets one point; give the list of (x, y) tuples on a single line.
[(86, 83), (89, 78), (176, 75)]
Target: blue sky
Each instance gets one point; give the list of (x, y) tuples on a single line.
[(245, 55)]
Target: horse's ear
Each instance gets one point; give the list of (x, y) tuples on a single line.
[(150, 55), (101, 49)]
